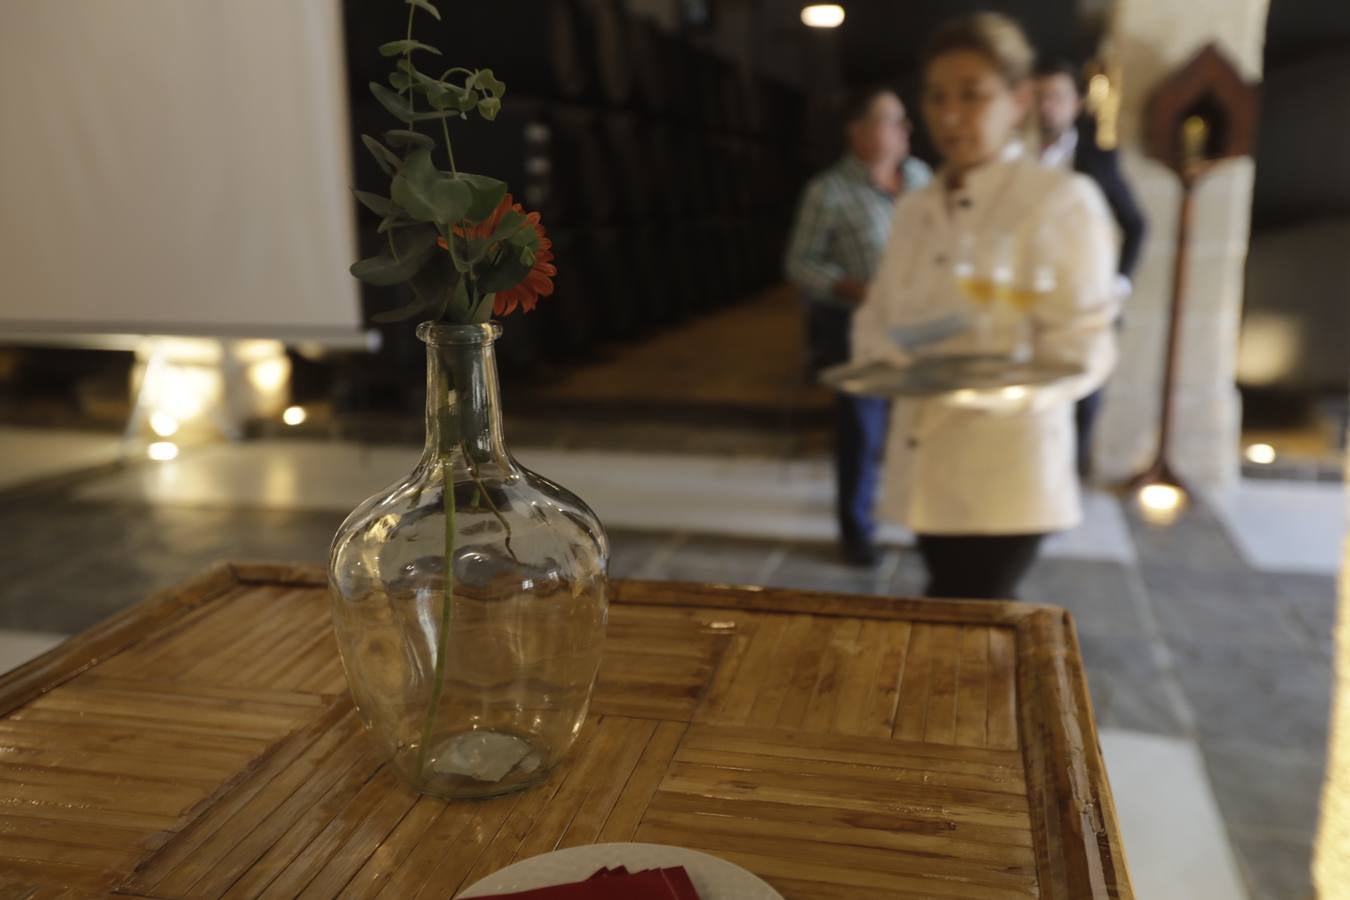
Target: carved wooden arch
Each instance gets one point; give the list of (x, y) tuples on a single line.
[(1211, 86)]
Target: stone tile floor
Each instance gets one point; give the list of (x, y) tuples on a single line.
[(1188, 641)]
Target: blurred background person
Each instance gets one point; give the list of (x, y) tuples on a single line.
[(982, 486), (837, 238), (1069, 141)]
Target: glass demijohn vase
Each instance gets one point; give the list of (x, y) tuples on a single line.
[(469, 599)]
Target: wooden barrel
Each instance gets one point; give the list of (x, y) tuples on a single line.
[(569, 317), (653, 267), (703, 78), (633, 180), (650, 56), (614, 287), (538, 49), (584, 187), (658, 148), (607, 21)]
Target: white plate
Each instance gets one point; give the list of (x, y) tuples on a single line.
[(715, 879)]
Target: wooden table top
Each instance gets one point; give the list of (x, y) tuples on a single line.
[(202, 744)]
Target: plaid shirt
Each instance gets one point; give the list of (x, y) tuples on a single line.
[(841, 227)]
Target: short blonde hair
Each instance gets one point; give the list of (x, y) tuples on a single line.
[(992, 35)]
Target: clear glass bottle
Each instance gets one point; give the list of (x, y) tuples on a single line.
[(475, 685)]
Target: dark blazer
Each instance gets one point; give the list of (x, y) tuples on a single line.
[(1103, 167)]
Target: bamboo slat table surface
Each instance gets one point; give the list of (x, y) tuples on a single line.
[(202, 744)]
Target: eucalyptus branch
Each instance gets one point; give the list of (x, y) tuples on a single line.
[(407, 55), (393, 250), (420, 193)]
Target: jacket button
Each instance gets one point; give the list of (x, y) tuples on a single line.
[(912, 443), (964, 203), (940, 259)]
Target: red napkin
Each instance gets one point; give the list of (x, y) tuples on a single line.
[(618, 884), (679, 881)]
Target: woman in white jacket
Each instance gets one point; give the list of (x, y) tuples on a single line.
[(982, 484)]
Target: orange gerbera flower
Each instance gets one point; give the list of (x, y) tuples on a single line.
[(538, 282)]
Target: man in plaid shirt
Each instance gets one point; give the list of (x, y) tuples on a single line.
[(840, 231)]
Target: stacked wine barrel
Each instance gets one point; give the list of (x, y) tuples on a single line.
[(665, 174)]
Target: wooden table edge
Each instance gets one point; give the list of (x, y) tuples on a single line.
[(1070, 805), (1067, 788)]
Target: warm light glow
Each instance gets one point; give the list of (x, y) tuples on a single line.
[(1099, 87), (162, 451), (269, 375), (182, 391), (1161, 504), (294, 415), (823, 15), (1269, 349), (1016, 392), (163, 424), (1261, 454)]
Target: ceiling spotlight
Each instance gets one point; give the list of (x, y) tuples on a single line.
[(294, 415), (823, 15)]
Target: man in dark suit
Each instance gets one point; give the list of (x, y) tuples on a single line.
[(1069, 140)]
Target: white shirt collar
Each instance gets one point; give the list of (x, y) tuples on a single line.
[(985, 180), (1059, 155)]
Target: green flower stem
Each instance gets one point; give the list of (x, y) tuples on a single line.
[(449, 152), (447, 606)]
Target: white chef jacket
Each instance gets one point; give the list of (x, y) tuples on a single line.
[(952, 469)]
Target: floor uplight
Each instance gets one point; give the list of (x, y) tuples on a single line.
[(1161, 504), (823, 15), (162, 451), (1261, 454), (163, 424)]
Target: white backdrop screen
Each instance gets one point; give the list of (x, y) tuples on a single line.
[(175, 167)]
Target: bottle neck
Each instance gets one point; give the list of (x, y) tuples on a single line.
[(464, 415)]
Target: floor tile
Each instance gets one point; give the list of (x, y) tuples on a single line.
[(18, 647), (1100, 594), (757, 497), (910, 577), (819, 567), (629, 551), (1196, 541), (32, 454), (1273, 697), (1309, 600), (1223, 605), (1132, 686), (1104, 534), (709, 559), (1286, 526), (1263, 790), (1173, 834), (1276, 870)]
